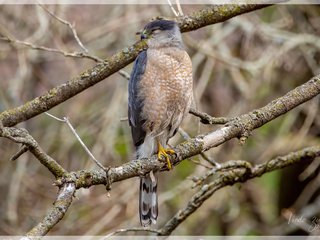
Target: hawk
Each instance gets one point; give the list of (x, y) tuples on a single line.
[(160, 95)]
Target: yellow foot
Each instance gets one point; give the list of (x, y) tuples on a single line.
[(164, 152)]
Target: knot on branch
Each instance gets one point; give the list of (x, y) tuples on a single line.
[(242, 126), (108, 179), (65, 179)]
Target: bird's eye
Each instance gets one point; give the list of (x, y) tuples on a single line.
[(156, 31)]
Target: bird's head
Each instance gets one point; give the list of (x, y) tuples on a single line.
[(162, 33)]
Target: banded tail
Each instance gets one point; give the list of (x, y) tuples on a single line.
[(148, 200)]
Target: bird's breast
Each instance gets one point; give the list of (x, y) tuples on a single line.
[(166, 87)]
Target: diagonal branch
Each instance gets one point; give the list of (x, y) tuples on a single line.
[(90, 77), (56, 213)]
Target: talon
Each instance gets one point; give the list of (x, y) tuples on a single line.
[(164, 152)]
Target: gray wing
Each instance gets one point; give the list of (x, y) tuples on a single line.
[(135, 104)]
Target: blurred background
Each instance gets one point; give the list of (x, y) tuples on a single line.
[(239, 65)]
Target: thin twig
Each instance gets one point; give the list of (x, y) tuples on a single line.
[(179, 8), (66, 120), (172, 8), (124, 119), (53, 50), (212, 162), (207, 119), (54, 117), (124, 74), (311, 169), (21, 151), (74, 32)]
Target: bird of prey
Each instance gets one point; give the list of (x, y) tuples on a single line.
[(160, 95)]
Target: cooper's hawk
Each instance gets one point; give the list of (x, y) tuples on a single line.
[(160, 95)]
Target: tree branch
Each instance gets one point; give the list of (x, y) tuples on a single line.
[(90, 77), (56, 213), (21, 135)]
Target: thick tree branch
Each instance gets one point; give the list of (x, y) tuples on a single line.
[(239, 127), (90, 77), (56, 213), (233, 176)]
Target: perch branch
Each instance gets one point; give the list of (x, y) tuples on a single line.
[(239, 127)]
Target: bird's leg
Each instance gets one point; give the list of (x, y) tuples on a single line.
[(164, 152)]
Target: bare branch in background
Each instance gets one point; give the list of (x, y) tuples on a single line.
[(47, 49), (66, 120), (172, 8), (179, 8), (74, 32)]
